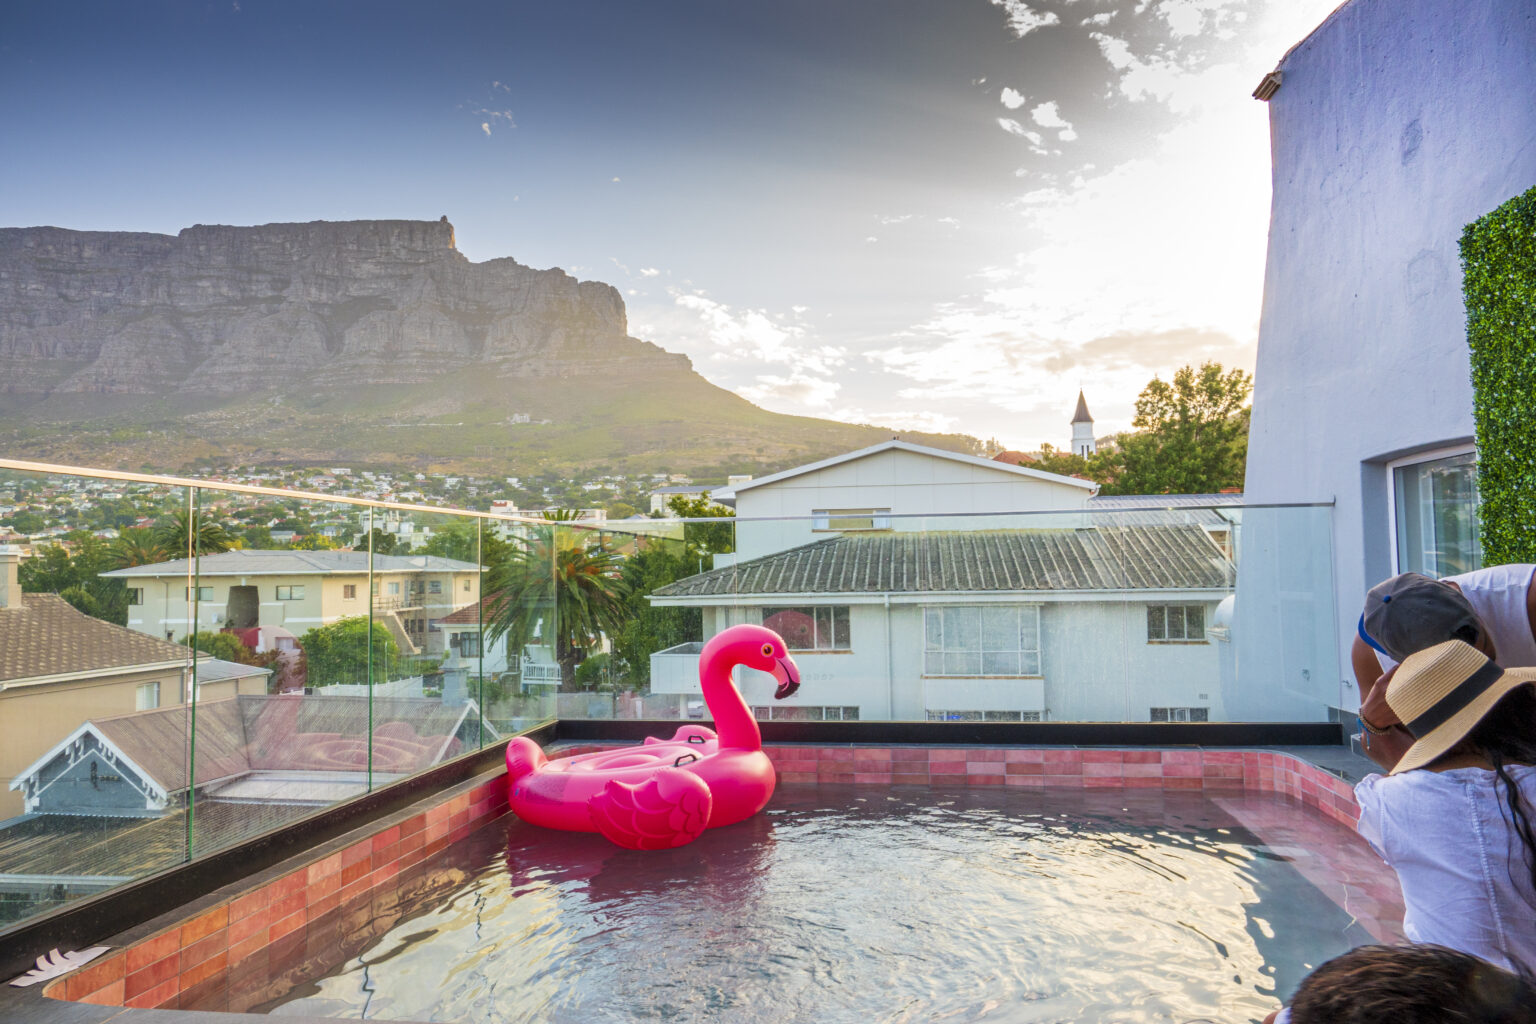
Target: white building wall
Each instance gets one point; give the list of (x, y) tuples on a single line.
[(1397, 123), (909, 484), (1096, 662)]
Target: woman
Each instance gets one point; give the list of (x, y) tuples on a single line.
[(1454, 816)]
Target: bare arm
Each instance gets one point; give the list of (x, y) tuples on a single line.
[(1385, 748), (1367, 668)]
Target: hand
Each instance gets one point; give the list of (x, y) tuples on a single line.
[(1374, 707)]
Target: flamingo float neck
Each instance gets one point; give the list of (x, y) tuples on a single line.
[(734, 723)]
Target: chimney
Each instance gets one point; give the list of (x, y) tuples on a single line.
[(10, 584)]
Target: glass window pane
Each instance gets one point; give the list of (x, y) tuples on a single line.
[(1436, 506), (933, 624), (1194, 622), (962, 629), (795, 625), (1029, 629), (1000, 663), (841, 639), (1175, 615), (1029, 663), (823, 628), (1157, 622), (999, 629), (962, 663), (933, 663)]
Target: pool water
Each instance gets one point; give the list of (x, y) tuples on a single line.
[(838, 903)]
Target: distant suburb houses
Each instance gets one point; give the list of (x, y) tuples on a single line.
[(915, 583), (300, 590)]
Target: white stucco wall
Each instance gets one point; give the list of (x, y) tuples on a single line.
[(1397, 123), (906, 482)]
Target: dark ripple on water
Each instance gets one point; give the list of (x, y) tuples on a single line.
[(859, 905)]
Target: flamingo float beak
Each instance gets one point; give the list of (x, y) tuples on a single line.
[(788, 675)]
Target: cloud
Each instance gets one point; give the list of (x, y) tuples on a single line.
[(615, 180), (797, 388), (1048, 115), (754, 335), (485, 127), (889, 219), (1013, 127), (1012, 98), (928, 422), (1023, 19), (649, 272)]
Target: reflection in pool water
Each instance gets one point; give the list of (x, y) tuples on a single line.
[(838, 903)]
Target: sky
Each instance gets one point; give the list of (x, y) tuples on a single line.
[(927, 214)]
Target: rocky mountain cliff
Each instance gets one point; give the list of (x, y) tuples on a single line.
[(370, 339)]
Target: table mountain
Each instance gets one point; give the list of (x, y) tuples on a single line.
[(364, 340)]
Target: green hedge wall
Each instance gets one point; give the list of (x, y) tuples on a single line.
[(1498, 261)]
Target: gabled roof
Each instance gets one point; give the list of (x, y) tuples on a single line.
[(46, 637), (916, 449), (976, 561), (470, 614), (257, 562)]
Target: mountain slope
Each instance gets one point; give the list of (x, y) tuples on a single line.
[(366, 341)]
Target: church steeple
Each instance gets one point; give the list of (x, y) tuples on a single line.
[(1081, 416), (1082, 429)]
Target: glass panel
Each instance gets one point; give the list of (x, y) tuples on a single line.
[(1000, 663), (999, 629), (823, 628), (841, 635), (1436, 505), (796, 625), (1157, 622)]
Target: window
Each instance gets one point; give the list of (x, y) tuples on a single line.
[(1434, 505), (135, 595), (466, 586), (349, 591), (199, 594), (146, 697), (806, 713), (434, 586), (468, 644), (981, 640), (821, 628), (983, 716), (394, 588), (1179, 714), (1176, 623), (848, 519), (290, 593)]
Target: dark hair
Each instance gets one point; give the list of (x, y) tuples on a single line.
[(1420, 984), (1507, 735)]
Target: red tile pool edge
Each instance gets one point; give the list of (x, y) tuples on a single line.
[(154, 971)]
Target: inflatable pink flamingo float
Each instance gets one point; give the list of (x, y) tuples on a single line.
[(665, 792)]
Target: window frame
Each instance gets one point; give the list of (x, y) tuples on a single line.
[(295, 592), (1183, 606), (349, 591), (204, 594), (768, 611), (1179, 713), (135, 596), (1394, 524), (980, 651), (822, 519), (140, 691)]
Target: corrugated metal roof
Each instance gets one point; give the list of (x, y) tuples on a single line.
[(978, 561), (256, 561), (46, 636)]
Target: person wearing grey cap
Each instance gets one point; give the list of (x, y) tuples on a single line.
[(1493, 609)]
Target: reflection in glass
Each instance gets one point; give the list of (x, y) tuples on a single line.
[(1436, 505)]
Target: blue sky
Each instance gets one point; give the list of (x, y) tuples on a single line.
[(938, 214)]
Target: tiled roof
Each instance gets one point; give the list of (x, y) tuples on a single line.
[(469, 615), (46, 636), (978, 561), (253, 561)]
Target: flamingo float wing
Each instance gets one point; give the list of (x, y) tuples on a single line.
[(669, 809)]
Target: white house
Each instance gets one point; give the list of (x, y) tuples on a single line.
[(907, 591), (1394, 124)]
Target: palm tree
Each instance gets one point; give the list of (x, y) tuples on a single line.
[(172, 533), (557, 574), (138, 547)]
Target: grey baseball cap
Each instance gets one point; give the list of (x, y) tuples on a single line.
[(1411, 612)]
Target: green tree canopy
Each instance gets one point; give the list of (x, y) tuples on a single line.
[(1192, 434), (646, 628), (705, 538), (338, 653), (73, 571), (173, 533), (142, 546), (458, 540), (220, 645)]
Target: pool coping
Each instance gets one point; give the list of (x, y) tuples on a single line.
[(187, 951)]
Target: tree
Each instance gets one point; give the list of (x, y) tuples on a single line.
[(458, 540), (138, 547), (74, 573), (383, 543), (558, 586), (312, 542), (221, 645), (27, 523), (338, 653), (705, 538), (1192, 434), (173, 533), (647, 628)]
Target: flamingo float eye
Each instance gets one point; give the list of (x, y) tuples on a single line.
[(767, 650)]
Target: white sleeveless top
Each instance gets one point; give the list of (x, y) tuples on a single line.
[(1498, 594)]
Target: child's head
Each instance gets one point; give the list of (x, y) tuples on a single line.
[(1419, 984)]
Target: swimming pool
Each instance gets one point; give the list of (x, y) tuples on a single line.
[(838, 903)]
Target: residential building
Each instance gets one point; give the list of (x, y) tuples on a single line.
[(661, 496), (59, 667), (916, 583), (1394, 125), (300, 590)]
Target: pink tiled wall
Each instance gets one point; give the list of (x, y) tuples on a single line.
[(176, 964)]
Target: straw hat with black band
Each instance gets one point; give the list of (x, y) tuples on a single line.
[(1442, 693)]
